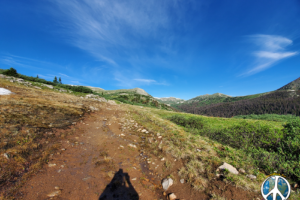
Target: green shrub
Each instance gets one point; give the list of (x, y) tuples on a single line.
[(11, 72), (272, 149), (268, 117)]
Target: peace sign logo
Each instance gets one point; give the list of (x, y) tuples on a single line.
[(275, 188)]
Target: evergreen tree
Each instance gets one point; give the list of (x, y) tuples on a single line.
[(11, 72), (55, 80), (60, 80)]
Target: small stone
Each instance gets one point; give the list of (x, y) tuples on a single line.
[(172, 196), (164, 193), (54, 194), (74, 123), (63, 149), (159, 137), (166, 183), (134, 179), (85, 179), (162, 159), (132, 145), (229, 167), (295, 185), (6, 155), (121, 146), (182, 180), (51, 165), (122, 135), (251, 176), (242, 171), (198, 150), (56, 187), (144, 130)]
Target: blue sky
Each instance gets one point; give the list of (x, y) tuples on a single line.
[(178, 48)]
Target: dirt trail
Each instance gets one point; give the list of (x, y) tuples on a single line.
[(97, 163)]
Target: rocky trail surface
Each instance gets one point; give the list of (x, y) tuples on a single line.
[(102, 160)]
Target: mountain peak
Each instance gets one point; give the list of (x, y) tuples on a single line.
[(294, 85)]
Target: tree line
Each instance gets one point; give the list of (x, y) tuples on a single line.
[(278, 102)]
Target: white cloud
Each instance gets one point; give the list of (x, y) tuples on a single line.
[(106, 28), (145, 80), (272, 48)]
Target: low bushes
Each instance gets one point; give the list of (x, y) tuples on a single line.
[(273, 149), (268, 117)]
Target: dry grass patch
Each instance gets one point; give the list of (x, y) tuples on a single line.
[(29, 134)]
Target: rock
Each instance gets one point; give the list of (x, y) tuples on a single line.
[(134, 179), (87, 178), (198, 150), (74, 123), (48, 86), (295, 185), (51, 165), (122, 135), (229, 167), (37, 87), (159, 137), (251, 176), (144, 130), (121, 146), (150, 140), (242, 171), (6, 155), (132, 145), (172, 196), (166, 183), (182, 180), (56, 187), (54, 194), (62, 90), (162, 159)]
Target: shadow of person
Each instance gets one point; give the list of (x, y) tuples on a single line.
[(120, 188)]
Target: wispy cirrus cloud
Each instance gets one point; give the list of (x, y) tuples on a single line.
[(148, 81), (272, 48), (111, 29)]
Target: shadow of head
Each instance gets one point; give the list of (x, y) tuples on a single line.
[(120, 188)]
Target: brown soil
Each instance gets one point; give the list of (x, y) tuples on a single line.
[(97, 163)]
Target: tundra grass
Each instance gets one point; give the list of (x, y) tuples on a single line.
[(202, 155), (29, 119)]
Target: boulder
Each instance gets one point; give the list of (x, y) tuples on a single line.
[(166, 183), (229, 167)]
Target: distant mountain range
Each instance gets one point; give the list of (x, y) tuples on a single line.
[(285, 100)]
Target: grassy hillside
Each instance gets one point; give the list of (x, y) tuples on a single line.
[(134, 96), (203, 143)]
